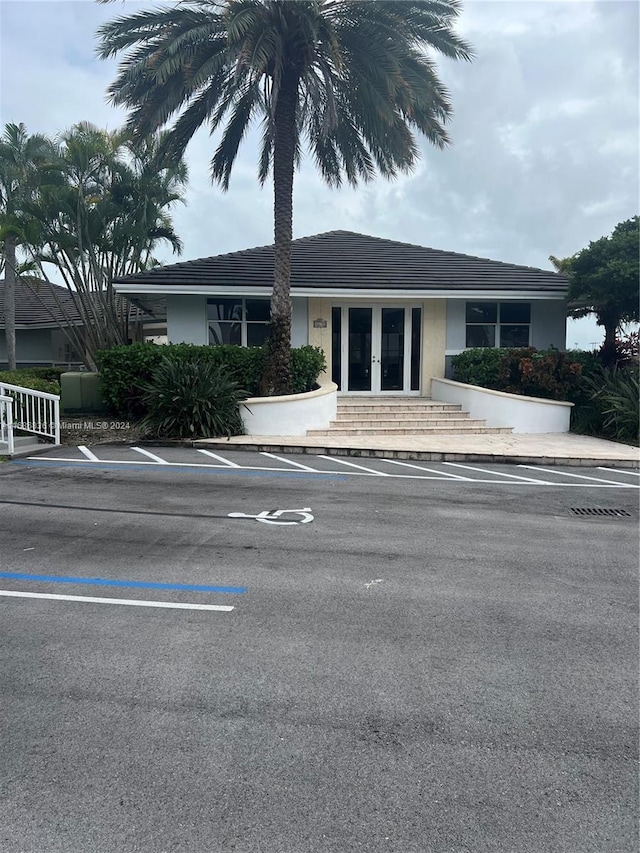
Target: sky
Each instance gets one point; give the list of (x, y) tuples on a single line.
[(545, 153)]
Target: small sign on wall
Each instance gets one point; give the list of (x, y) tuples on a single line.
[(320, 323)]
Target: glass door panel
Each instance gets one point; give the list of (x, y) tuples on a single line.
[(392, 349), (359, 349)]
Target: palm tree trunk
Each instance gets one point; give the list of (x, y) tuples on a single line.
[(276, 378), (10, 299)]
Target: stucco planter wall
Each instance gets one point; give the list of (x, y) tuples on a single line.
[(293, 414), (498, 409)]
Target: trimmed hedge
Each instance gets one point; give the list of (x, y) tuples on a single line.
[(550, 374), (125, 370), (605, 401), (35, 378)]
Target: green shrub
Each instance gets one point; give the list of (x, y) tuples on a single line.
[(549, 374), (125, 369), (26, 379), (50, 374), (307, 363), (478, 366), (191, 398), (613, 407)]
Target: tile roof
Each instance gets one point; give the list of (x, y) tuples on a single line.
[(344, 259), (36, 304)]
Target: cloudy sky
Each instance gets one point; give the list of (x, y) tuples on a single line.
[(545, 135)]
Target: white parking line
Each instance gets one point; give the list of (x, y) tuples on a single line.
[(440, 476), (219, 458), (353, 465), (430, 470), (86, 452), (288, 461), (497, 473), (577, 476), (150, 455), (621, 471), (175, 605)]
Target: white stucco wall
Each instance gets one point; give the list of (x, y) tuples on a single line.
[(187, 320), (549, 324), (498, 409), (290, 415)]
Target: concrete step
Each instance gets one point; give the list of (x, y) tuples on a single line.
[(470, 427), (388, 416), (417, 424), (404, 417)]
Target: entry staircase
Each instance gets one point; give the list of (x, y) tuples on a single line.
[(28, 419), (379, 416)]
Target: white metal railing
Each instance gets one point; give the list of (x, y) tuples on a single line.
[(30, 411), (6, 423)]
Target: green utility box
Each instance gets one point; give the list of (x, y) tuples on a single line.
[(80, 393)]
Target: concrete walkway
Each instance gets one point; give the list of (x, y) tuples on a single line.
[(533, 449)]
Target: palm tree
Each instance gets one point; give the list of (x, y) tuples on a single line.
[(353, 79), (21, 156), (101, 210)]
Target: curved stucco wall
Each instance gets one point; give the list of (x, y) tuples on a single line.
[(290, 415), (498, 409)]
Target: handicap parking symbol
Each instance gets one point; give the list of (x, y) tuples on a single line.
[(275, 516)]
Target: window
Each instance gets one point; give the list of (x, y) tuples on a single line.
[(244, 322), (498, 324)]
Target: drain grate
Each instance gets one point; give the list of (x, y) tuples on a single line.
[(600, 511)]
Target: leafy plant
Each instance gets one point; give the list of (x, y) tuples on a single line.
[(190, 398), (124, 370), (549, 374), (615, 399), (26, 379), (478, 366)]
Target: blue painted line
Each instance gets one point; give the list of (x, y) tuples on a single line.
[(113, 466), (22, 576)]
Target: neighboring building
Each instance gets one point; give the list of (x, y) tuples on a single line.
[(388, 315), (41, 308)]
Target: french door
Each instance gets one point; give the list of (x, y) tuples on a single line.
[(376, 349)]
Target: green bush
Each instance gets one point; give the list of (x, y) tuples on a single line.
[(26, 379), (125, 369), (478, 366), (609, 405), (307, 363), (192, 398), (550, 374)]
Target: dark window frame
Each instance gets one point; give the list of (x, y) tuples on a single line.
[(240, 321), (499, 324)]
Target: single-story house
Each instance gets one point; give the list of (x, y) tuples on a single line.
[(388, 315), (41, 308)]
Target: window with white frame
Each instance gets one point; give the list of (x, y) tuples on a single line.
[(244, 322), (498, 324)]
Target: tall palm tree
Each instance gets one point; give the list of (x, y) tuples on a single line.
[(21, 155), (353, 79)]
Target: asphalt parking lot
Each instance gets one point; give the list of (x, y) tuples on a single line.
[(428, 659)]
